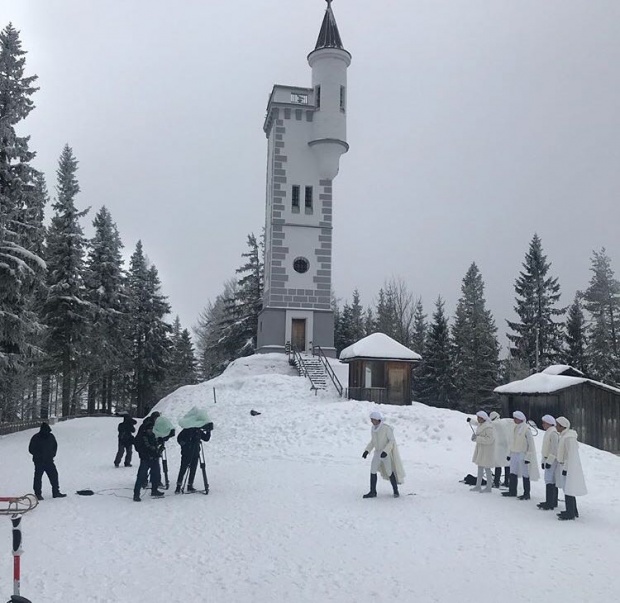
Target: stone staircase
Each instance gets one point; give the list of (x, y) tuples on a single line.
[(312, 368)]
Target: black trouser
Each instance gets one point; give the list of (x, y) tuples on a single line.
[(147, 465), (41, 467), (126, 450), (188, 460)]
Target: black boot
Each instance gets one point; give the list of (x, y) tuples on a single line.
[(394, 485), (512, 486), (373, 487), (526, 489), (497, 475), (571, 504), (58, 494), (554, 500), (177, 490), (548, 504), (506, 483)]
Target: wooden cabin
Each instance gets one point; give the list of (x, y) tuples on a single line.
[(593, 408), (380, 370)]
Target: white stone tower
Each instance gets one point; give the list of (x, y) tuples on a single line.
[(306, 133)]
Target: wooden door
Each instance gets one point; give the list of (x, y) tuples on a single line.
[(298, 334), (396, 384)]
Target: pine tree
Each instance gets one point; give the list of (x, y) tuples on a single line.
[(436, 384), (418, 335), (21, 267), (249, 298), (576, 337), (537, 337), (181, 369), (105, 280), (147, 330), (213, 357), (350, 325), (602, 302), (385, 314), (475, 348), (66, 309)]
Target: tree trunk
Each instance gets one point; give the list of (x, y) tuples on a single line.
[(66, 383)]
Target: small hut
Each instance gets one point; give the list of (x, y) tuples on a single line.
[(379, 370), (593, 408)]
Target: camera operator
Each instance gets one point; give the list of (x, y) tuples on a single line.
[(189, 439)]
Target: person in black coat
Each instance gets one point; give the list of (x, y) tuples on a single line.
[(43, 448), (147, 447), (125, 441), (189, 440)]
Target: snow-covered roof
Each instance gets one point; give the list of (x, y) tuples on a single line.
[(378, 345), (543, 383), (561, 369)]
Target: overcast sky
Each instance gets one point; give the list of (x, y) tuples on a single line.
[(472, 125)]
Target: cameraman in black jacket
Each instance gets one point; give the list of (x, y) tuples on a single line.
[(125, 441), (189, 439), (148, 449)]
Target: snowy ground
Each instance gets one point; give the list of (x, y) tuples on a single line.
[(285, 520)]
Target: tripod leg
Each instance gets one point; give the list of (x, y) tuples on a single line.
[(203, 468), (164, 462)]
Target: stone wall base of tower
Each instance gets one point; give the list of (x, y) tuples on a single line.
[(303, 328)]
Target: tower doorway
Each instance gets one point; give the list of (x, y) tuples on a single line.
[(298, 334)]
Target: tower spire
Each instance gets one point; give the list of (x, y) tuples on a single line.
[(329, 36)]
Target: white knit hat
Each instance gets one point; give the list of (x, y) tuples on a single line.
[(375, 414), (494, 415), (564, 422), (482, 415), (517, 414), (548, 419)]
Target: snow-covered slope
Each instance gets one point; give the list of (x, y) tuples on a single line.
[(285, 520)]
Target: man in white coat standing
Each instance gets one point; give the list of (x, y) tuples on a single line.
[(548, 465), (484, 453), (522, 457), (569, 474), (386, 457), (503, 436)]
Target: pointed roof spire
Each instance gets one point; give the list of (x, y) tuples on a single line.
[(329, 36)]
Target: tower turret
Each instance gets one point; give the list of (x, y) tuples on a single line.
[(329, 62)]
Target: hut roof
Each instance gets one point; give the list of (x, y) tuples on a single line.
[(542, 383), (378, 346), (563, 369)]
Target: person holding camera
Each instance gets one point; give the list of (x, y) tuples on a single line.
[(190, 441), (147, 447), (484, 452), (386, 457)]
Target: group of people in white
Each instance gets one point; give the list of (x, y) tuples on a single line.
[(509, 443)]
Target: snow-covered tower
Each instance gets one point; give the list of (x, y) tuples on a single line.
[(306, 133)]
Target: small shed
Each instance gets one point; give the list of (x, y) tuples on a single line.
[(380, 370), (593, 408)]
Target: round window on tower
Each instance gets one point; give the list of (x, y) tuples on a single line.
[(301, 265)]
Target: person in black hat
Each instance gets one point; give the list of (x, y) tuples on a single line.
[(189, 439), (125, 441), (148, 449), (43, 448)]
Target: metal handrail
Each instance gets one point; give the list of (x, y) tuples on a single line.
[(328, 368), (301, 367)]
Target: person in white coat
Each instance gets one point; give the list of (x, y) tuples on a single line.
[(522, 457), (548, 463), (484, 452), (386, 457), (569, 474), (503, 435)]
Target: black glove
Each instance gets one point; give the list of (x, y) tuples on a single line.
[(527, 462), (542, 466), (547, 466), (208, 427), (564, 473), (364, 454), (383, 454), (507, 458)]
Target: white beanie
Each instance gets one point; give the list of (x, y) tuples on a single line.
[(564, 422), (494, 415), (548, 419), (375, 414), (517, 414), (482, 415)]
